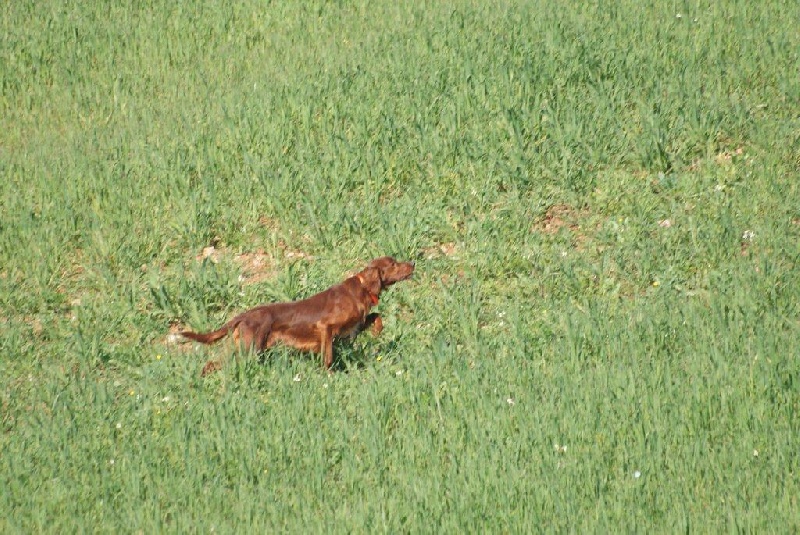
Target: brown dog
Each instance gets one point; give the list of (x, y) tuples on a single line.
[(311, 324)]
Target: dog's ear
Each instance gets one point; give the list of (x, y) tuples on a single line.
[(371, 280)]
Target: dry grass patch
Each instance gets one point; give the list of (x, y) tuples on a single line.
[(448, 250), (562, 217)]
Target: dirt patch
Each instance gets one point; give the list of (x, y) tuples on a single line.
[(447, 278), (298, 255), (174, 342), (256, 267), (35, 324), (722, 158), (725, 157), (269, 223), (174, 335), (209, 253), (291, 253), (449, 250), (560, 216)]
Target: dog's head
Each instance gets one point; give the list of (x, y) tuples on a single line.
[(383, 272), (391, 271)]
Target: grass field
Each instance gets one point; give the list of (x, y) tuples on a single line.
[(603, 201)]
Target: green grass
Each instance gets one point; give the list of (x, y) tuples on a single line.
[(603, 202)]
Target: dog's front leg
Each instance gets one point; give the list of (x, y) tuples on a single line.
[(374, 323), (327, 347)]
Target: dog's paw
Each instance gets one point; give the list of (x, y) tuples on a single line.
[(376, 327)]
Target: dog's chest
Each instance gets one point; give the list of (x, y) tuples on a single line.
[(354, 326)]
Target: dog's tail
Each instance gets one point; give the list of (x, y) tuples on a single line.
[(210, 337)]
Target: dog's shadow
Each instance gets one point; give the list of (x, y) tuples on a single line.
[(348, 355), (358, 355)]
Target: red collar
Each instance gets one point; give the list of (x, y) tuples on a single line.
[(372, 297)]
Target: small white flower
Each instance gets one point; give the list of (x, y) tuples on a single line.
[(165, 399), (398, 373), (678, 16), (510, 401), (560, 448), (637, 474), (111, 461), (325, 385), (297, 378), (755, 453), (666, 223), (719, 187), (119, 425), (748, 235), (563, 254)]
